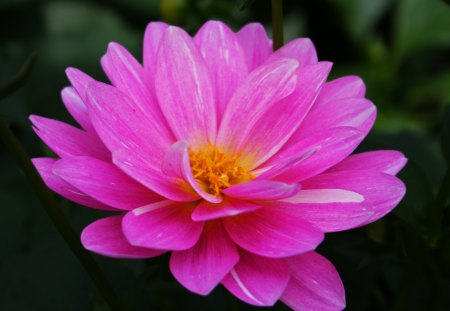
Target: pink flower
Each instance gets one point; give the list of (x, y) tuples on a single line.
[(234, 158)]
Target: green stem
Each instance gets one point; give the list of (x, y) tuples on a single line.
[(56, 215), (277, 23), (439, 204)]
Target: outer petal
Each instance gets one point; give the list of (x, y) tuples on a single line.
[(120, 123), (141, 170), (45, 166), (359, 113), (386, 161), (278, 123), (257, 280), (105, 237), (152, 39), (184, 89), (263, 88), (163, 225), (176, 164), (128, 76), (203, 266), (104, 182), (314, 285), (273, 232), (262, 190), (67, 141), (327, 148), (77, 108), (345, 87), (228, 207), (225, 59), (301, 49), (79, 81), (255, 43), (345, 199)]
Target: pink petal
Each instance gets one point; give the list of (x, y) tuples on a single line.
[(263, 88), (262, 190), (273, 232), (301, 49), (184, 89), (176, 164), (79, 81), (314, 285), (228, 207), (225, 59), (77, 108), (67, 141), (328, 147), (45, 165), (257, 280), (358, 113), (105, 237), (128, 76), (386, 161), (120, 123), (255, 43), (104, 182), (152, 38), (345, 199), (163, 225), (201, 268), (279, 122), (141, 170), (345, 87)]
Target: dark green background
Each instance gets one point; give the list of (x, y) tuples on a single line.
[(400, 47)]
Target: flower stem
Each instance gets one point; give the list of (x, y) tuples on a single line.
[(51, 206), (277, 23)]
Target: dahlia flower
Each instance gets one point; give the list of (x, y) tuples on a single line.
[(233, 157)]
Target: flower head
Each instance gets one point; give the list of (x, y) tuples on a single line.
[(234, 158)]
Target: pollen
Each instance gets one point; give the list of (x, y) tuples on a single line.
[(214, 170)]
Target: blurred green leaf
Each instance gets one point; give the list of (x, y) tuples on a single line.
[(246, 5), (421, 24), (20, 78), (445, 136)]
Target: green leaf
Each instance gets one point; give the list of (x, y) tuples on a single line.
[(445, 136), (246, 5), (19, 80)]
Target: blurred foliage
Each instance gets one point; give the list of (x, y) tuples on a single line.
[(400, 48)]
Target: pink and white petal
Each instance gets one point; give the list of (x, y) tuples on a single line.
[(344, 87), (328, 147), (152, 38), (359, 113), (228, 207), (80, 81), (104, 182), (387, 161), (257, 280), (225, 59), (202, 267), (77, 108), (301, 49), (273, 232), (255, 43), (262, 190), (105, 237), (128, 76), (121, 124), (344, 200), (176, 164), (163, 225), (278, 123), (139, 168), (45, 165), (263, 88), (68, 141), (184, 89), (314, 285)]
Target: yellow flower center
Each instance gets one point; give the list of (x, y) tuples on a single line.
[(214, 170)]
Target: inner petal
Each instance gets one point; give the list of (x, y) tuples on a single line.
[(215, 170)]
